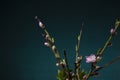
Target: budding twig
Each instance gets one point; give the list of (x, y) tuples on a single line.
[(117, 23)]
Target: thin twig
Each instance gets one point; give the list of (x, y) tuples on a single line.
[(110, 37), (67, 66)]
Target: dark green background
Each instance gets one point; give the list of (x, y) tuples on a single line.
[(23, 54)]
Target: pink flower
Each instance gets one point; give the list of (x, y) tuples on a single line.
[(91, 58)]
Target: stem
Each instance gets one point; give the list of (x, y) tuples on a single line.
[(67, 66), (77, 63), (106, 44), (78, 44), (90, 71), (107, 64), (110, 37), (111, 62), (55, 51)]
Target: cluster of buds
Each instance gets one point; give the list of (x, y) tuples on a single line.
[(65, 73), (49, 42)]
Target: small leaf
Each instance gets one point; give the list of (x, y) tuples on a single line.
[(81, 74), (79, 38), (57, 55), (61, 75), (76, 48), (117, 23), (64, 61), (53, 40)]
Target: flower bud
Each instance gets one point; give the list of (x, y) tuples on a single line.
[(40, 24), (47, 44), (112, 31), (97, 67), (67, 79), (57, 64), (79, 38), (98, 58), (79, 58), (85, 76), (47, 36), (36, 17), (53, 47)]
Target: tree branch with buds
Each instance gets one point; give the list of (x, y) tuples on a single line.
[(65, 73)]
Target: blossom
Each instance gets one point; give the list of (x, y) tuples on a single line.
[(91, 58)]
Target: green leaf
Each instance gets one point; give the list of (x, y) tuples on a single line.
[(61, 75), (64, 61), (57, 55), (76, 48), (79, 38), (53, 40), (81, 74)]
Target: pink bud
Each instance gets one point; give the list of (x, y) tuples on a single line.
[(112, 31), (40, 23), (85, 76), (47, 44)]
